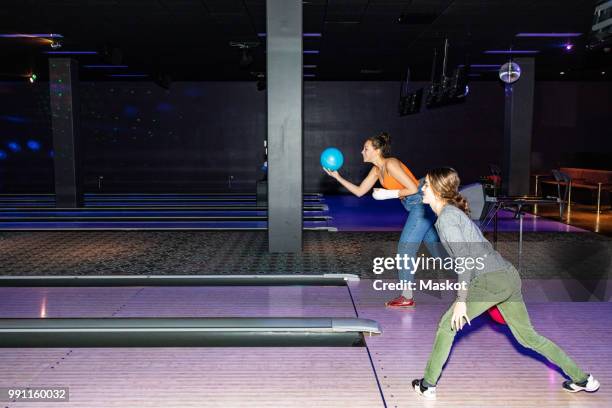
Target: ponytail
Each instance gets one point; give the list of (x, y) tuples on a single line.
[(460, 202)]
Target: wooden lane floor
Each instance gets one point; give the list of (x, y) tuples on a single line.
[(144, 200), (197, 377), (487, 367), (191, 377)]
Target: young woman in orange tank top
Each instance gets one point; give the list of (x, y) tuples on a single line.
[(398, 182)]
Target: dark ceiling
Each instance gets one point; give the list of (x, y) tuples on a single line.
[(359, 39)]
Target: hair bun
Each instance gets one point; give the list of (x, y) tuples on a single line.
[(385, 137), (381, 141)]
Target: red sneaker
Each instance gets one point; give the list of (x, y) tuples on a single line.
[(400, 301)]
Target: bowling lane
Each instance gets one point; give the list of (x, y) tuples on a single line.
[(191, 377)]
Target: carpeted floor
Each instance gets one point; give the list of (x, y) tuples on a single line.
[(545, 255)]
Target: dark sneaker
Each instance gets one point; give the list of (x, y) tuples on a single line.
[(427, 392), (589, 385)]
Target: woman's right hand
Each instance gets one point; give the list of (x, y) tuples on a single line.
[(459, 315), (384, 194), (332, 173)]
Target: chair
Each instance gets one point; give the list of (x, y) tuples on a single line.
[(565, 180)]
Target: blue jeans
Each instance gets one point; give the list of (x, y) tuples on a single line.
[(419, 228)]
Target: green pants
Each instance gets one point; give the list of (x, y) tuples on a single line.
[(501, 288)]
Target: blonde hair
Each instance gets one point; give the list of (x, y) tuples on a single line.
[(444, 181)]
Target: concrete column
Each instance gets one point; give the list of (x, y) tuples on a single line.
[(285, 117)]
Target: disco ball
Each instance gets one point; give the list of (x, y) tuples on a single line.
[(510, 72)]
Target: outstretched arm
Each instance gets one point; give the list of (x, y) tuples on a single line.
[(395, 170), (365, 186), (452, 236)]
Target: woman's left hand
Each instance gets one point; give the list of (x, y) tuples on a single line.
[(459, 313)]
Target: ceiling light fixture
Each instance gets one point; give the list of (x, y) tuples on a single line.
[(71, 52), (105, 66), (128, 75), (261, 35), (511, 52), (31, 36), (549, 35)]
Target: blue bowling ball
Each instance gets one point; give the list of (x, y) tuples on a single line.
[(332, 158)]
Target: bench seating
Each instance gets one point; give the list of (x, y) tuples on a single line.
[(600, 180)]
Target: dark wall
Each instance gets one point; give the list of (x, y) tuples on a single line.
[(193, 137), (344, 114), (572, 125), (26, 146), (209, 135)]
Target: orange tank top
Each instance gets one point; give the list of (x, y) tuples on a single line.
[(390, 183)]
